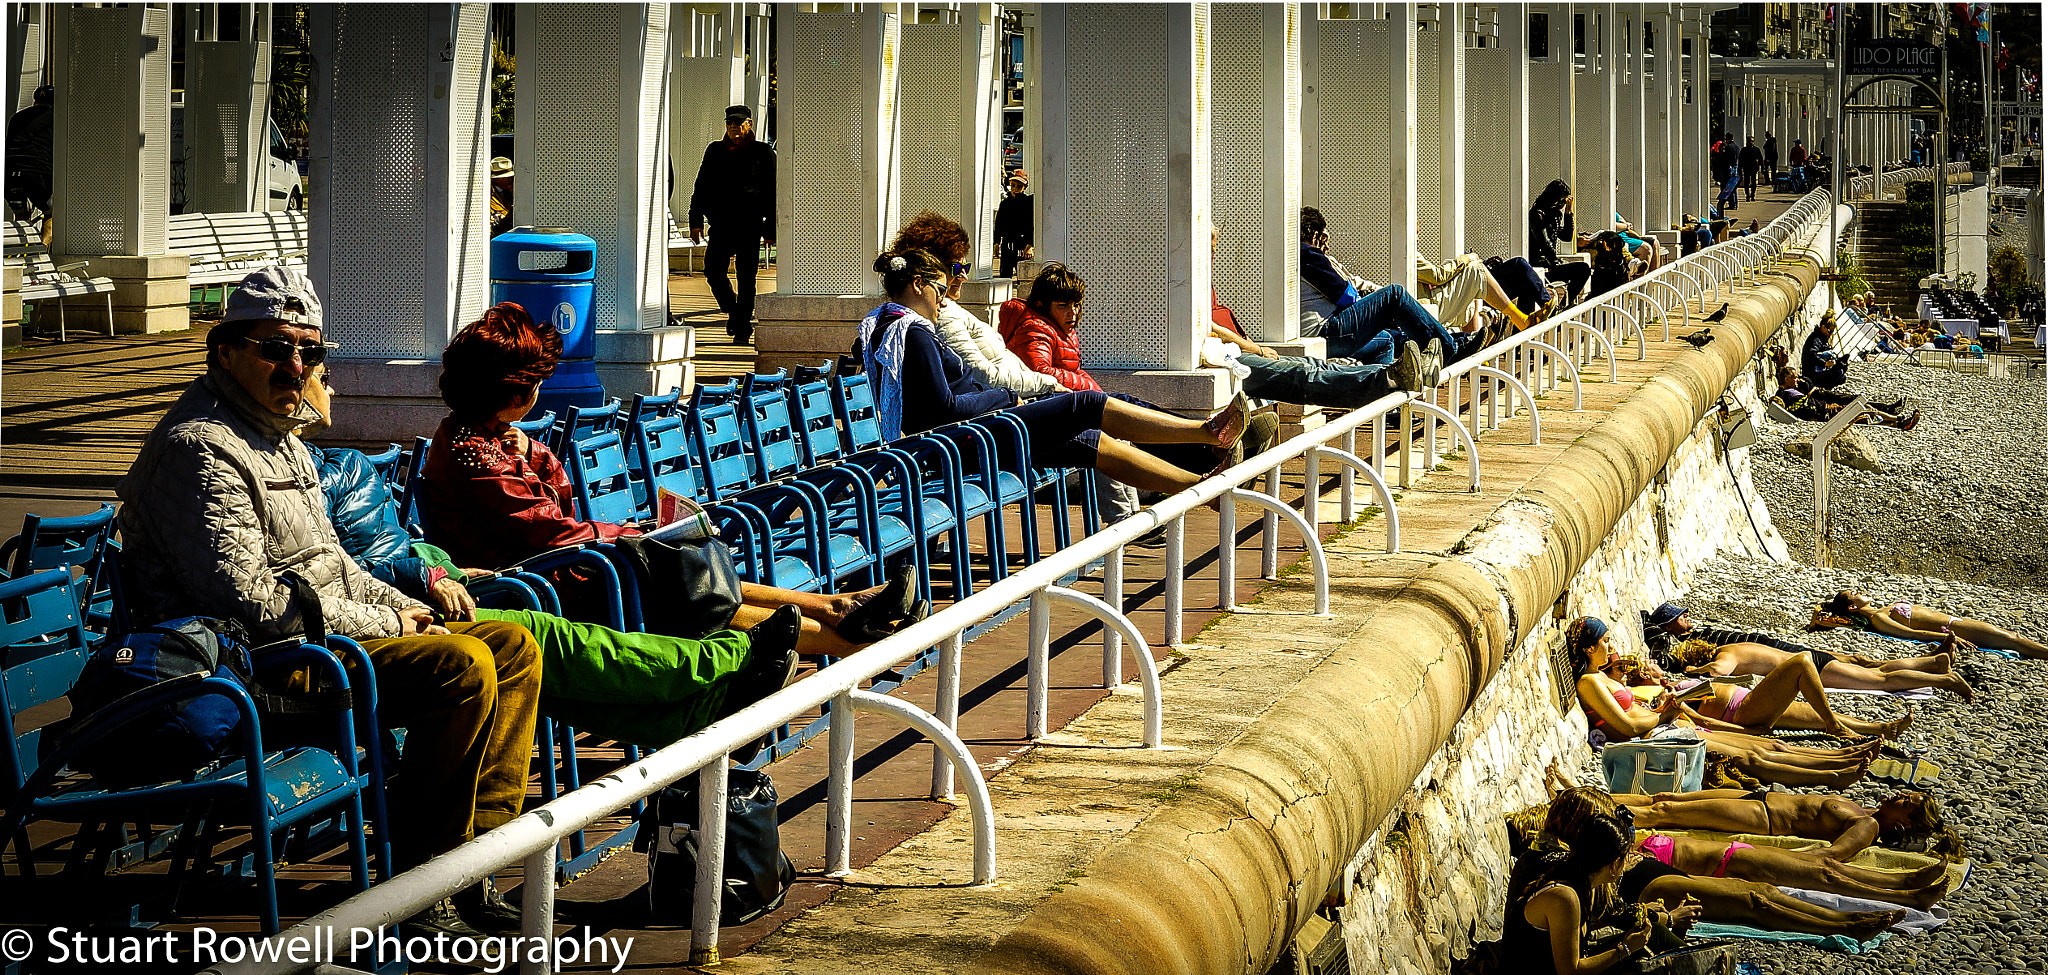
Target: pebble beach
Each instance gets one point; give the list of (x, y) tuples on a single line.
[(1957, 520)]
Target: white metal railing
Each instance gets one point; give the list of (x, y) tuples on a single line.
[(1529, 363)]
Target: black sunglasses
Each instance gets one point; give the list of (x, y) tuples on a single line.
[(960, 268), (280, 350)]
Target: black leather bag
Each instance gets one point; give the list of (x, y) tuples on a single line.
[(688, 588), (757, 874)]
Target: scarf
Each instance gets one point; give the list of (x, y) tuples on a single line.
[(882, 336)]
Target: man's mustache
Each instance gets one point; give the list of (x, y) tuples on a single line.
[(289, 382)]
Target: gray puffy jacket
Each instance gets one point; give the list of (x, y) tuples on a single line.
[(222, 500)]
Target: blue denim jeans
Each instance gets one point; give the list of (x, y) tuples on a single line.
[(1391, 312), (1315, 382)]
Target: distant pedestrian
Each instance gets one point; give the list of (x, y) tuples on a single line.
[(1014, 226), (1798, 162), (736, 192), (1771, 158), (1726, 173), (501, 195), (1752, 159), (29, 149)]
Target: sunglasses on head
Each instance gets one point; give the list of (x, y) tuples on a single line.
[(280, 350), (960, 268)]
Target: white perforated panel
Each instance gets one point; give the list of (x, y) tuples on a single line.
[(1657, 142), (1117, 196), (370, 151), (1593, 175), (1491, 220), (935, 121), (225, 143), (24, 58), (1429, 140), (111, 157), (1354, 143), (1238, 133), (826, 111), (575, 166), (699, 91), (470, 152), (1550, 154)]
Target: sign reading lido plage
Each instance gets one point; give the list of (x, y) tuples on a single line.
[(1888, 55)]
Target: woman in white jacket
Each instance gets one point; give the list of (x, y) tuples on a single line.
[(976, 342)]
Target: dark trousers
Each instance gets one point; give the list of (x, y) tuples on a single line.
[(727, 243), (1520, 282), (1389, 309), (1749, 183), (1064, 428), (1573, 275), (1315, 382)]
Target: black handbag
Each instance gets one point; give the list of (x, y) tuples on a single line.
[(757, 874), (688, 588)]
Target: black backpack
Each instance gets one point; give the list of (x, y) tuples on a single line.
[(757, 874)]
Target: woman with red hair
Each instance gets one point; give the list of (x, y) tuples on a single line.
[(496, 496)]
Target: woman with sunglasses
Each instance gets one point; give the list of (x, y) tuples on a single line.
[(976, 342), (921, 384)]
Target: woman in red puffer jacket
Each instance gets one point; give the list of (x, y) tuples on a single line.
[(1041, 330)]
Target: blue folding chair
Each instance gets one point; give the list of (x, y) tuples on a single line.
[(45, 647), (582, 421), (646, 408), (884, 480), (929, 465), (80, 542), (541, 428), (714, 394), (845, 498), (660, 453), (793, 553)]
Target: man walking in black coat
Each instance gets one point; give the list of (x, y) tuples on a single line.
[(736, 192), (1752, 160), (1771, 158)]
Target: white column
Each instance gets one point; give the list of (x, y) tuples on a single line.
[(1698, 117), (111, 129), (836, 201), (1497, 134), (707, 73), (1355, 133), (757, 33), (1631, 138), (1256, 164), (1593, 176), (227, 111), (1125, 185), (399, 129), (24, 53), (593, 118), (951, 120), (1439, 133), (1551, 107)]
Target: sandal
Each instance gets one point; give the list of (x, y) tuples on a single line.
[(1228, 423)]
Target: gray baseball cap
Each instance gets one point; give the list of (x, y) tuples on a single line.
[(275, 292)]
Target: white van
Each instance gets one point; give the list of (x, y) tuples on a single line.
[(280, 167)]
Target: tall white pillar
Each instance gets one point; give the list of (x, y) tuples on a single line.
[(1697, 116), (1356, 130), (707, 74), (1125, 186), (951, 123), (1497, 107), (1593, 177), (592, 122), (110, 162), (1631, 120), (1552, 104), (1659, 162), (399, 131), (836, 201), (1255, 65), (1439, 133), (227, 112), (24, 53)]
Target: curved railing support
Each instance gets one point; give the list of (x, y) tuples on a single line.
[(1471, 446), (1578, 391), (1535, 416), (1309, 538), (1606, 347), (1148, 669), (1379, 487), (978, 803)]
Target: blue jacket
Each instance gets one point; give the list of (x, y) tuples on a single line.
[(366, 518), (1319, 273)]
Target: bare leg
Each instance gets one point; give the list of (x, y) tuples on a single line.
[(1771, 702), (1126, 464), (1764, 906), (825, 608), (814, 639), (1940, 663), (1857, 677), (1808, 872), (1139, 425), (1985, 635)]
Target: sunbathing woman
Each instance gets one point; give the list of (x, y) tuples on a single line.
[(1836, 670), (1911, 621), (1849, 827), (920, 384), (1772, 703), (1723, 900), (496, 497), (1921, 888)]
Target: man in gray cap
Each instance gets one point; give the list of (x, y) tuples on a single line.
[(736, 192), (223, 500)]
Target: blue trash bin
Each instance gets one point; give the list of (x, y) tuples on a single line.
[(552, 273)]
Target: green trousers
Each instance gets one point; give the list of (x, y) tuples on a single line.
[(637, 688)]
